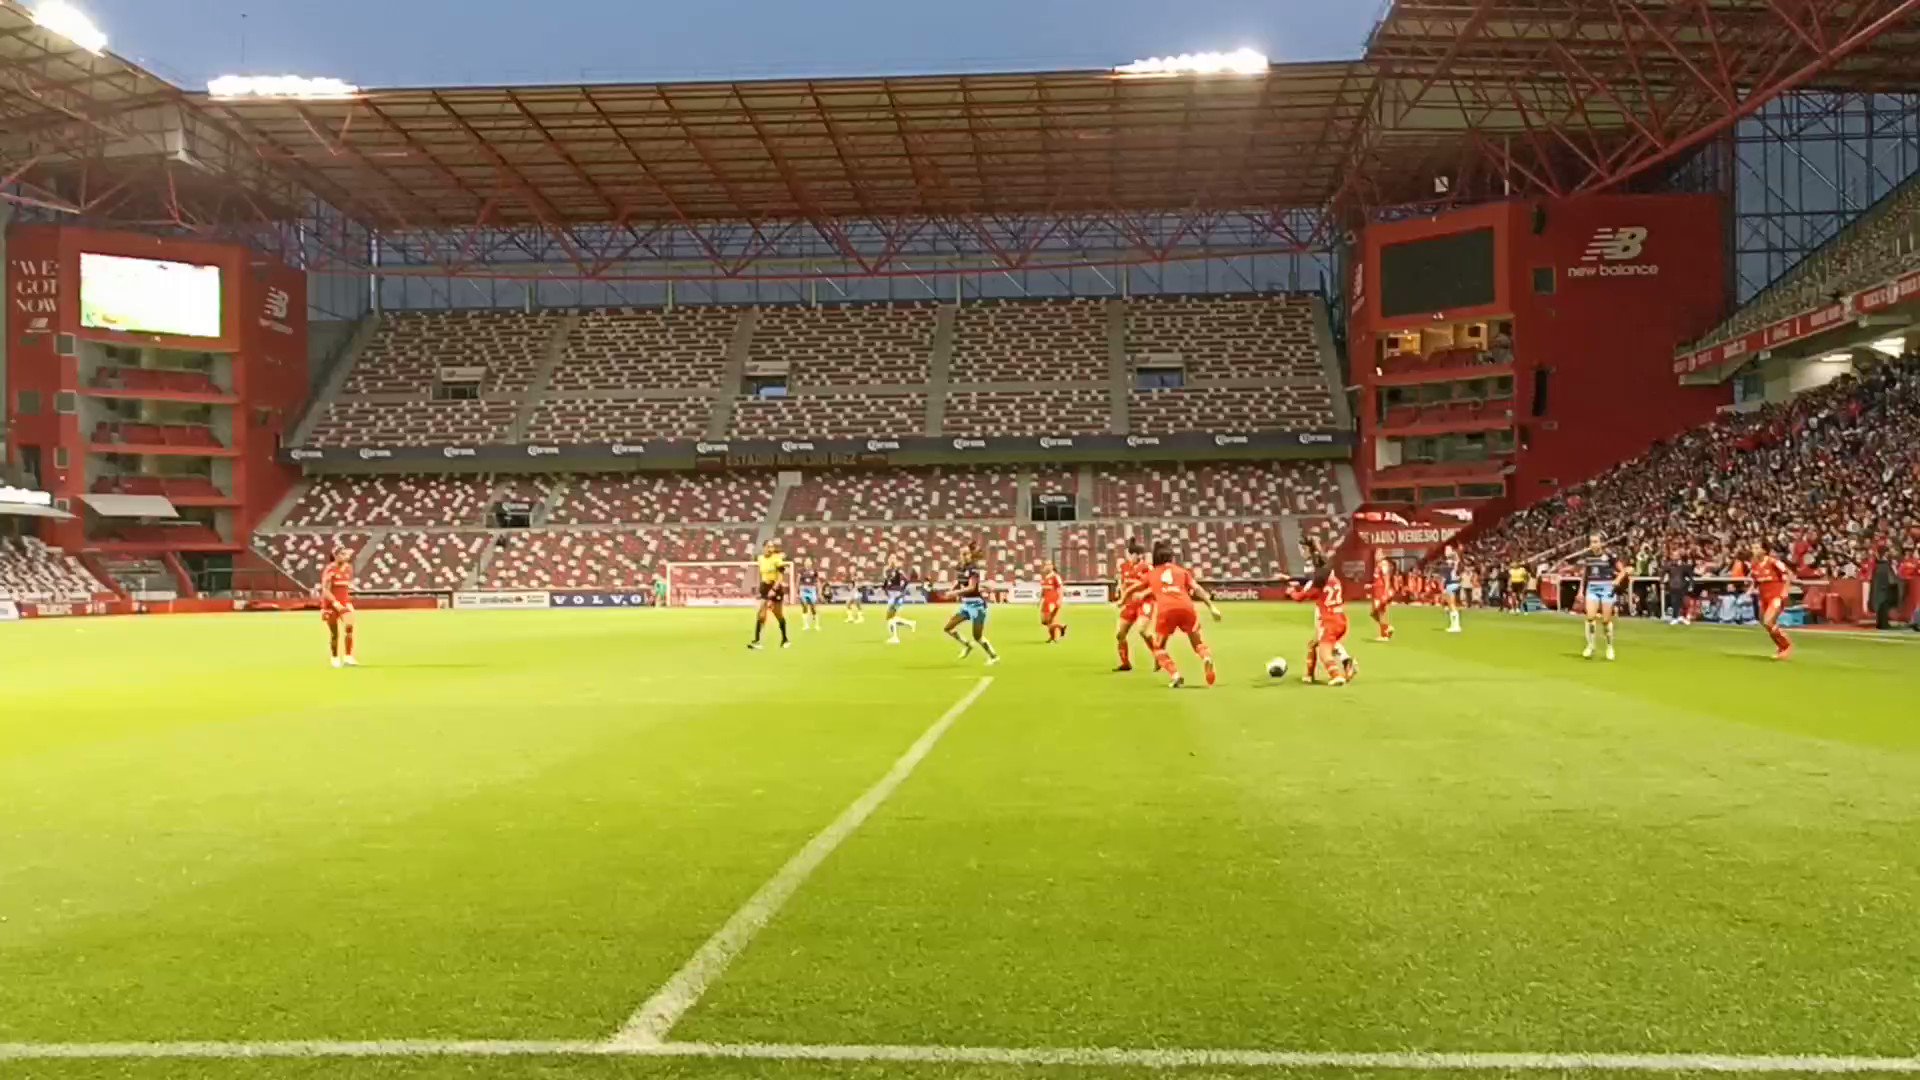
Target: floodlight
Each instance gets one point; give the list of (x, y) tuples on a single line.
[(1237, 62), (279, 86), (71, 23)]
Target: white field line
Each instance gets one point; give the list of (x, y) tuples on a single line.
[(1066, 1057), (657, 1016)]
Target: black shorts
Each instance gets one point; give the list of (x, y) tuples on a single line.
[(773, 592)]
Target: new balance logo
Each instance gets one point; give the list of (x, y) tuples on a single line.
[(1623, 244)]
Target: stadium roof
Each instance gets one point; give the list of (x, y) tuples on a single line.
[(869, 148), (1455, 100)]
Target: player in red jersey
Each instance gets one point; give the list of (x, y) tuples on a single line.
[(1772, 577), (1136, 601), (1330, 623), (1052, 592), (1382, 596), (1173, 591), (336, 607)]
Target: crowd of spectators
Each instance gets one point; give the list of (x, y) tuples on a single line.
[(1829, 480)]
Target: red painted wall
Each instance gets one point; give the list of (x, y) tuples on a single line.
[(39, 306), (263, 329), (1605, 335), (270, 375)]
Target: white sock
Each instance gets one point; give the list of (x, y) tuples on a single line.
[(1589, 635)]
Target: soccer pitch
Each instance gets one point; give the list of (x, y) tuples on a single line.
[(482, 853)]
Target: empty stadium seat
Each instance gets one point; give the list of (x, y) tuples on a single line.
[(1003, 413), (406, 352), (1226, 337), (1030, 341), (646, 349), (418, 423), (383, 500), (847, 344), (850, 415), (1267, 408)]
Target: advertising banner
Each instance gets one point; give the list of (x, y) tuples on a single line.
[(635, 599), (9, 611), (500, 601), (878, 451)]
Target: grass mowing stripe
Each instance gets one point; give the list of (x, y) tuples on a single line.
[(1037, 1057), (663, 1010)]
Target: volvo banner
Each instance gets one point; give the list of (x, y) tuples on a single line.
[(750, 453)]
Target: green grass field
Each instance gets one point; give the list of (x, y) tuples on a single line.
[(518, 826)]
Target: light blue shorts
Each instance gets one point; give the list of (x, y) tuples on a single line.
[(1599, 592), (974, 611)]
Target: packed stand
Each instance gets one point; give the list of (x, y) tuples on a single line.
[(1880, 245), (1827, 478)]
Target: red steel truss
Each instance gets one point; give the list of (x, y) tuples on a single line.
[(1455, 101), (1566, 96)]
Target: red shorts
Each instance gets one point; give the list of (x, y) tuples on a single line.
[(1380, 604), (1171, 619), (1333, 629), (1049, 607), (332, 613), (1771, 605), (1136, 611)]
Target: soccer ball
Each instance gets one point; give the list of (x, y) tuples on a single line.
[(1277, 667)]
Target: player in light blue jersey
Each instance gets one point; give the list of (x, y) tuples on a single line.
[(1604, 576), (970, 584), (1450, 574), (895, 586)]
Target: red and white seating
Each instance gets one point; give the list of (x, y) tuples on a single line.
[(1251, 489), (303, 556), (829, 416), (847, 344), (407, 352), (1214, 550), (422, 562), (405, 500), (606, 558), (646, 349), (1267, 408), (32, 571), (938, 494), (1054, 412), (1226, 338), (414, 423), (587, 420), (1030, 341), (665, 498), (934, 552), (1324, 533)]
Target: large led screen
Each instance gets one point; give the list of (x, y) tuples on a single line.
[(149, 296)]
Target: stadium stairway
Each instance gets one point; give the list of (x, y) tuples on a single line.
[(1290, 538), (735, 374), (336, 378), (1119, 370), (542, 377), (940, 370)]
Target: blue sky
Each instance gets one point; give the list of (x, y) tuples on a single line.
[(420, 42)]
